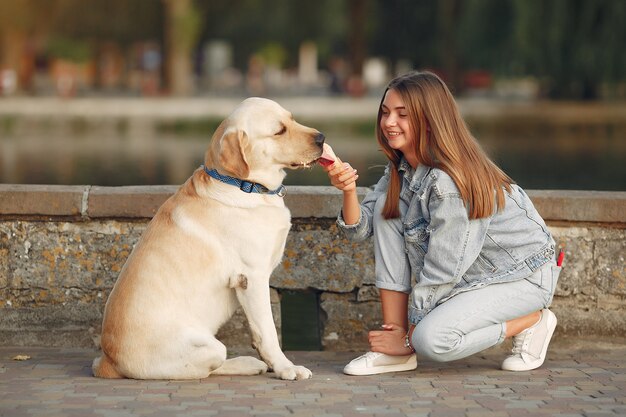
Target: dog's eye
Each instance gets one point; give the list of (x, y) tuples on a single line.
[(282, 130)]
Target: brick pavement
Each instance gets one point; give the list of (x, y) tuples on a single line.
[(580, 378)]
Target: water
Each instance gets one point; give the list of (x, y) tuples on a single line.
[(538, 154)]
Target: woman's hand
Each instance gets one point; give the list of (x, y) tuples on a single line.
[(390, 340), (342, 175)]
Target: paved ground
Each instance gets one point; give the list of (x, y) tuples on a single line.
[(585, 378)]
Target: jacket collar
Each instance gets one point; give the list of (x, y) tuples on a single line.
[(414, 177)]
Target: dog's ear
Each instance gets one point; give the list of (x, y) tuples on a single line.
[(232, 153)]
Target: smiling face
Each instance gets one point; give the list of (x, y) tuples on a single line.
[(395, 124)]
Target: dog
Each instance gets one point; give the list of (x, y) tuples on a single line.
[(210, 248)]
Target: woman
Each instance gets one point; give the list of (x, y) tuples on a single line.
[(453, 231)]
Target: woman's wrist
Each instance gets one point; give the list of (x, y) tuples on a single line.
[(407, 342), (408, 338), (351, 210)]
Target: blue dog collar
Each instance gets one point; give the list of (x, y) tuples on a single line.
[(243, 185)]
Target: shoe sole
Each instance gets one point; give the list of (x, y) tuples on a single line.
[(551, 327), (409, 366)]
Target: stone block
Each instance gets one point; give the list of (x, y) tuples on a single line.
[(318, 256), (347, 322), (581, 206), (54, 325), (235, 334), (609, 252), (127, 202), (316, 201), (583, 317), (41, 200), (578, 274), (60, 262), (594, 260), (368, 293), (4, 268)]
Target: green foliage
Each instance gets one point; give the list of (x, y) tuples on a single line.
[(254, 25), (488, 46), (73, 50), (405, 29), (201, 126), (7, 125), (274, 54), (574, 45), (187, 28)]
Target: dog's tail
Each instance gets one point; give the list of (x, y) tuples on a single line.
[(103, 367)]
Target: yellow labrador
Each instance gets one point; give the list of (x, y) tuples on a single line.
[(209, 248)]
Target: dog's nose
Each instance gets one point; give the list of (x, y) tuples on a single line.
[(319, 139)]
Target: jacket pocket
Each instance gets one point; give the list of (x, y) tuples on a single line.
[(555, 271), (416, 236), (477, 270)]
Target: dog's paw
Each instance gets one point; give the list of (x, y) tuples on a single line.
[(294, 372), (254, 366), (241, 365)]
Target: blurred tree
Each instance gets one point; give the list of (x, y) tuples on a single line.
[(20, 29), (113, 20), (182, 29), (488, 46), (575, 46), (405, 30), (252, 25), (449, 19), (70, 25), (357, 35)]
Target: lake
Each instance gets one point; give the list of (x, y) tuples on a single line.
[(545, 146)]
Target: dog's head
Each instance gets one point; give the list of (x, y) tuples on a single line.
[(259, 140)]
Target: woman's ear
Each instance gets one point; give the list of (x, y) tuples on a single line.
[(232, 155)]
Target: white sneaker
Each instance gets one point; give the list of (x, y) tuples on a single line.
[(378, 363), (531, 345)]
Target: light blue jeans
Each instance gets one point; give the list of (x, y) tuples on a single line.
[(469, 322)]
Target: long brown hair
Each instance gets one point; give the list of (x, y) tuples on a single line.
[(442, 141)]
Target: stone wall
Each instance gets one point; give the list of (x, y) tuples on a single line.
[(62, 247)]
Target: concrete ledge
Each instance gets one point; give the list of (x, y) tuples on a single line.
[(303, 201), (580, 206), (62, 248), (41, 200), (127, 202)]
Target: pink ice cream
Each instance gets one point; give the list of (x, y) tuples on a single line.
[(328, 156)]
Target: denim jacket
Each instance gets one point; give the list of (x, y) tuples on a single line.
[(449, 253)]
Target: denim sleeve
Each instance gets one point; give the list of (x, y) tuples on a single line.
[(454, 243), (363, 229)]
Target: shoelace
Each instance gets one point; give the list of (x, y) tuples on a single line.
[(370, 355), (518, 342)]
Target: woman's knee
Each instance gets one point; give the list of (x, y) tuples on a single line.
[(435, 343)]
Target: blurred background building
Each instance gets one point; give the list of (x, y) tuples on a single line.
[(570, 49)]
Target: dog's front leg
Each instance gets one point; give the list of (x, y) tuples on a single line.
[(254, 297)]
